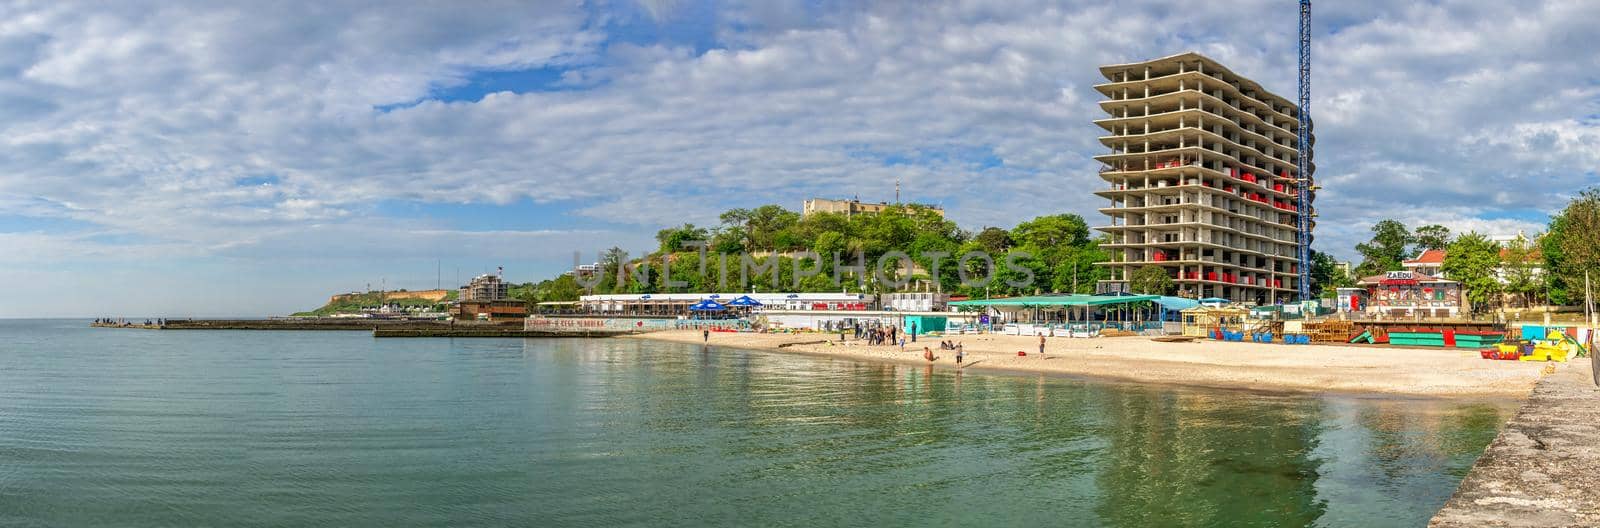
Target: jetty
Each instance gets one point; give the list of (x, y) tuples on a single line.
[(383, 327), (293, 323), (1544, 467)]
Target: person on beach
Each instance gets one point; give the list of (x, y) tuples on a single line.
[(959, 354), (1041, 345), (705, 336), (902, 344), (927, 353), (913, 332)]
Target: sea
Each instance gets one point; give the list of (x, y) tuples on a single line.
[(123, 427)]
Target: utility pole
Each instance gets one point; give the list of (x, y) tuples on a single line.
[(1074, 276), (1589, 314)]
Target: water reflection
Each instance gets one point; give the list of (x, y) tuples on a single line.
[(1106, 453), (198, 429)]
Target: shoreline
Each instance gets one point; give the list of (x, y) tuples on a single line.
[(1448, 373)]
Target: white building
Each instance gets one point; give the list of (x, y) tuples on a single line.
[(915, 302)]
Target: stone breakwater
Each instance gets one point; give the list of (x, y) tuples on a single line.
[(383, 327), (1544, 467)]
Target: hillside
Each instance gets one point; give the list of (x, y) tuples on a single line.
[(352, 302)]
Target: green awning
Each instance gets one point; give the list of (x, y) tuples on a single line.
[(1058, 300)]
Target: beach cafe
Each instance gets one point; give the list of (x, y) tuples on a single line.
[(1407, 294), (1078, 311)]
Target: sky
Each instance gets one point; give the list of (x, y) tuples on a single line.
[(201, 158)]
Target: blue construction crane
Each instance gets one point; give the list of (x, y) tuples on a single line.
[(1303, 164)]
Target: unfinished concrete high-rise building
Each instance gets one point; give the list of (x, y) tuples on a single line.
[(1202, 179)]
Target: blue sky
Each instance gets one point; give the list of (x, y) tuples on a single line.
[(188, 158)]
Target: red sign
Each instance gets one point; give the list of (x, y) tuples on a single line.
[(1399, 282)]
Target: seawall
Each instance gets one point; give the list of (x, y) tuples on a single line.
[(1544, 467)]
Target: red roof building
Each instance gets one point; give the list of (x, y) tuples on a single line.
[(1430, 263)]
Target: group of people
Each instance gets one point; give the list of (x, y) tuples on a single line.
[(889, 335), (961, 353), (880, 335), (114, 321)]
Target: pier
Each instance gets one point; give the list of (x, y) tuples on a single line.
[(1543, 468), (385, 327)]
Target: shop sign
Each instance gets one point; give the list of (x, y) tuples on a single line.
[(1399, 278)]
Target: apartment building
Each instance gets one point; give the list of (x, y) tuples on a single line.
[(1201, 179), (485, 287)]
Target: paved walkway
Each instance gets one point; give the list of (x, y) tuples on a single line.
[(1544, 468)]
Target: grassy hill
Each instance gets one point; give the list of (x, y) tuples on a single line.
[(353, 303)]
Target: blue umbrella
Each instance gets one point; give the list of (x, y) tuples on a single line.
[(744, 301), (707, 305)]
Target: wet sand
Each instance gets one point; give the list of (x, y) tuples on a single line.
[(1443, 373)]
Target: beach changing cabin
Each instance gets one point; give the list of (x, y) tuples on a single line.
[(926, 323)]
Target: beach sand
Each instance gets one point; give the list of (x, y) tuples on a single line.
[(1444, 373)]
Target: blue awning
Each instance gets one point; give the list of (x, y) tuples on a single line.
[(707, 305)]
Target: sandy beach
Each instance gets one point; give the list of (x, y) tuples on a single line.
[(1443, 373)]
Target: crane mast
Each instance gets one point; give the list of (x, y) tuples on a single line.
[(1303, 163)]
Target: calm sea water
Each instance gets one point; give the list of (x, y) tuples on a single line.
[(151, 428)]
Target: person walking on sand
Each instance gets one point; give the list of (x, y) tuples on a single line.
[(959, 354), (1041, 345), (705, 335), (913, 332), (902, 344)]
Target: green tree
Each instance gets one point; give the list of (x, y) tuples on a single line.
[(1076, 269), (1555, 283), (1472, 259), (1326, 275), (1151, 280), (671, 239), (1517, 264), (611, 261), (994, 240), (1580, 243), (1052, 232), (727, 240), (1432, 236), (759, 229), (1386, 250)]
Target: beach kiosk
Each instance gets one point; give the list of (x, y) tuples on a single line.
[(1412, 294), (1200, 321)]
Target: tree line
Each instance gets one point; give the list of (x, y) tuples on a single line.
[(1543, 268), (1056, 251), (1047, 254)]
